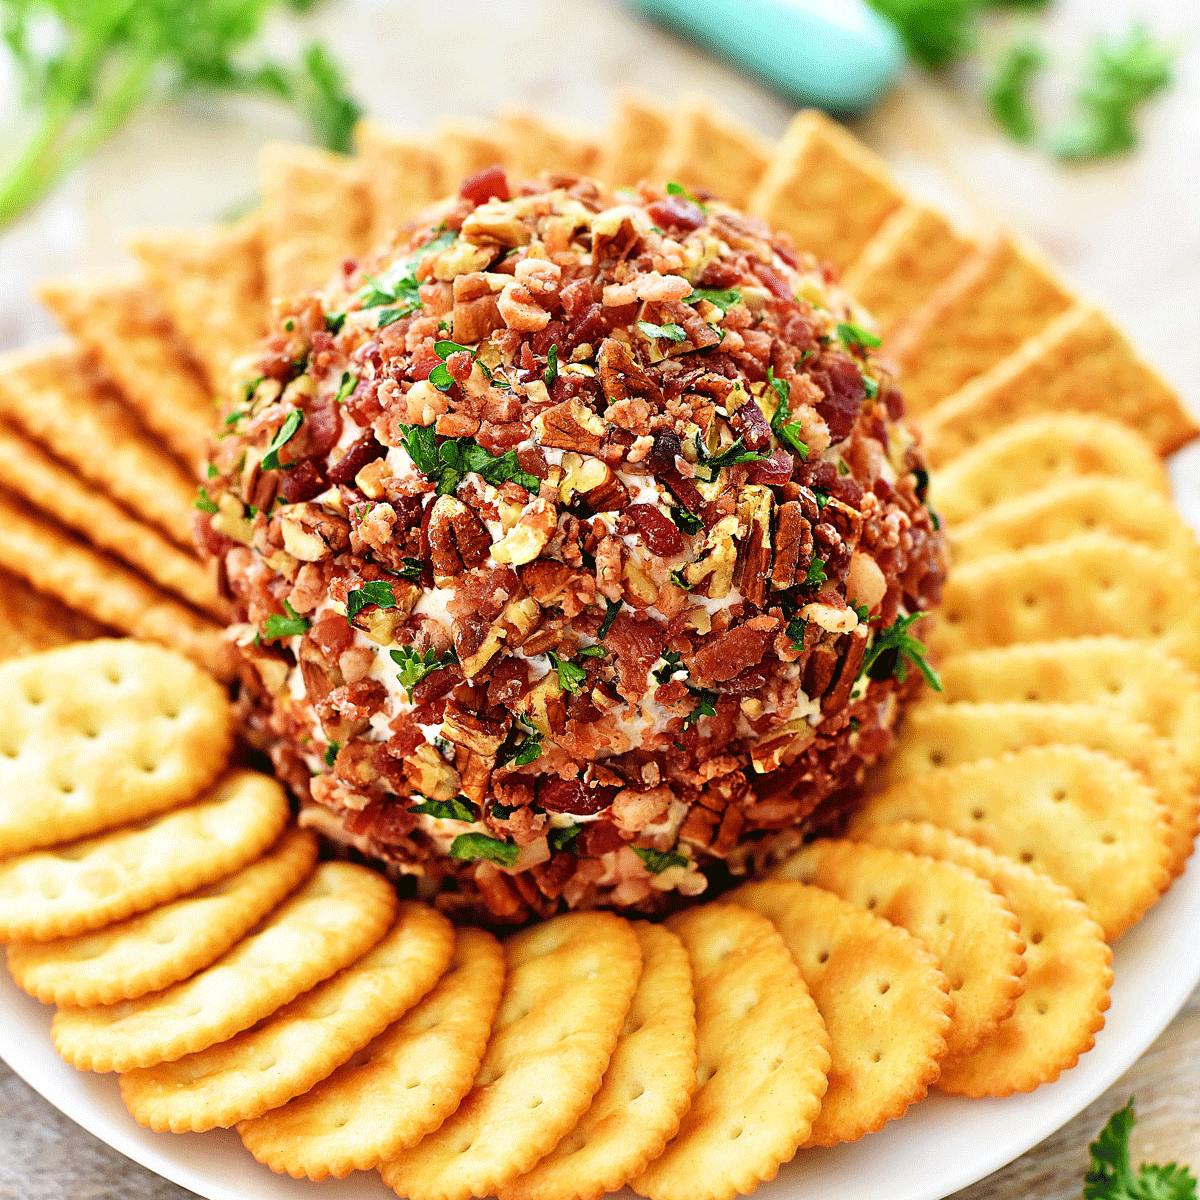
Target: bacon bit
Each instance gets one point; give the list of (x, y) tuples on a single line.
[(489, 184), (674, 212), (655, 529)]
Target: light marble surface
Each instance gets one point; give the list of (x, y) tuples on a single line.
[(1126, 233)]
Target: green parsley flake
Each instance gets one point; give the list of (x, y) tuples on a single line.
[(376, 591), (611, 609), (680, 581), (563, 838), (416, 666), (706, 706), (816, 574), (672, 662), (283, 435), (677, 189), (730, 456), (523, 752), (334, 322), (1008, 90), (448, 461), (669, 333), (550, 374), (894, 649), (658, 861), (345, 388), (291, 624), (457, 809), (723, 298), (571, 676), (331, 753), (686, 521), (414, 569), (471, 847), (856, 337), (204, 502)]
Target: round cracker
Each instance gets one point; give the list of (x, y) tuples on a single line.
[(66, 890), (646, 1089), (963, 919), (337, 916), (403, 1086), (152, 951), (570, 983), (1066, 985), (881, 993), (98, 734), (762, 1054), (300, 1045)]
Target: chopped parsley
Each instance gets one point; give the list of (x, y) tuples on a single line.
[(870, 387), (571, 676), (672, 662), (611, 609), (816, 574), (733, 454), (658, 861), (334, 322), (668, 333), (283, 435), (204, 502), (1111, 1175), (446, 462), (471, 847), (1008, 90), (522, 753), (677, 189), (416, 666), (856, 337), (345, 388), (862, 612), (563, 837), (706, 706), (894, 649), (376, 591), (331, 753), (723, 298), (398, 288), (550, 374), (440, 376), (457, 809), (786, 431), (290, 624), (795, 631), (680, 581), (414, 568), (686, 521)]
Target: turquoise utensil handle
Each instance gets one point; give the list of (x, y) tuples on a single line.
[(839, 55)]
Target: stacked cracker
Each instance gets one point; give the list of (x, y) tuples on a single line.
[(957, 937)]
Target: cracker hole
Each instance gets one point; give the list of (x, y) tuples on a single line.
[(1027, 856), (465, 1147), (164, 937), (937, 758), (823, 957), (1030, 600), (113, 674), (71, 853), (637, 1093), (341, 1123), (956, 985), (536, 1102), (1109, 839), (1037, 937), (943, 917), (1043, 1008), (872, 903), (411, 1084), (66, 787), (776, 1063), (51, 889), (1033, 695), (884, 988), (10, 751), (877, 1057), (1059, 795), (34, 695), (735, 1133), (977, 814), (1106, 583)]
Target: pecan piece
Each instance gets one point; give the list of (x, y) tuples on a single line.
[(458, 539), (716, 561), (620, 374), (570, 425), (310, 533), (755, 507)]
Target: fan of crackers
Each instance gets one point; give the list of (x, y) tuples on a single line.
[(957, 937)]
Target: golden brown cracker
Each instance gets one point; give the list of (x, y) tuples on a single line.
[(98, 734), (27, 471), (317, 213), (150, 952), (708, 151), (570, 982), (210, 279), (339, 914), (1083, 817), (303, 1043), (403, 173), (69, 889), (637, 137), (960, 917), (464, 148), (944, 735), (59, 565), (881, 993), (410, 1079), (1085, 505), (1039, 452), (1002, 294), (1088, 584), (1079, 363), (60, 400), (762, 1060), (121, 322), (912, 253), (646, 1089), (536, 145), (1066, 985), (826, 190), (31, 621)]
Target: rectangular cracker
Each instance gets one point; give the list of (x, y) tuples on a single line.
[(49, 559), (708, 151), (1085, 818), (27, 471), (637, 138), (464, 148), (121, 322), (536, 145), (31, 621), (1081, 361), (826, 190), (211, 281), (403, 173), (1090, 584), (1038, 452), (317, 211), (912, 253), (1002, 294), (59, 399)]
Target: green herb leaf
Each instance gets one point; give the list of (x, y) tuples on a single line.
[(283, 435), (550, 374), (376, 591), (441, 378), (892, 651), (658, 861), (471, 847), (815, 576), (723, 298), (1111, 1175), (706, 706), (457, 809), (571, 676), (523, 752), (672, 663), (334, 322), (331, 753), (204, 502), (677, 189), (856, 337), (291, 624), (795, 631), (414, 569), (446, 462), (686, 521), (416, 666), (934, 32), (680, 581), (733, 454), (444, 349), (345, 388), (1008, 90), (611, 609), (562, 838), (670, 332)]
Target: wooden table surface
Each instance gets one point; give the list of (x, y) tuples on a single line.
[(1126, 233)]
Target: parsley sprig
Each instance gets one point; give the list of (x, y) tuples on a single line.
[(416, 665), (472, 847), (289, 624), (397, 290), (448, 461), (1111, 1175), (894, 649), (723, 298), (730, 456), (658, 861), (786, 430), (283, 435), (455, 809), (571, 676), (375, 591)]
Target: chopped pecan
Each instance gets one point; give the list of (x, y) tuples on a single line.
[(620, 374), (458, 540), (793, 545), (481, 734), (311, 533), (570, 425), (528, 536), (715, 563), (756, 505), (515, 622)]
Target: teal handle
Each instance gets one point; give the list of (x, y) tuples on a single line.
[(839, 55)]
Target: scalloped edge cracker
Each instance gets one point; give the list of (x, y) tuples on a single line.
[(570, 983), (465, 148), (881, 993), (1066, 986), (637, 137), (536, 145), (335, 918), (403, 174), (1080, 362), (960, 917), (401, 1087), (150, 952), (1088, 584), (1003, 293), (710, 152), (646, 1090), (825, 189), (1083, 817)]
